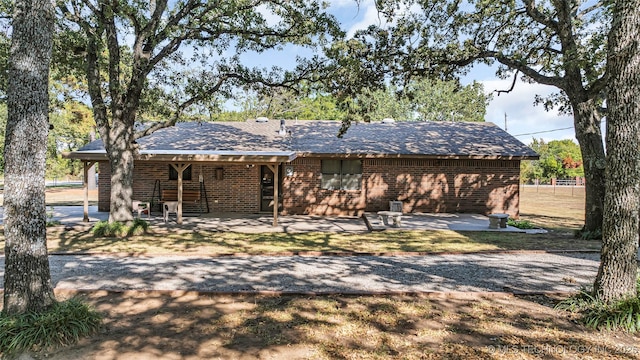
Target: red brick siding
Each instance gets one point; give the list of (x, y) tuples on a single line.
[(104, 186), (476, 186), (238, 191), (302, 193)]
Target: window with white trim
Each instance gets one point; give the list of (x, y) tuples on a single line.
[(341, 174)]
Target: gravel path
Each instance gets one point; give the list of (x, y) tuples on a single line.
[(530, 272)]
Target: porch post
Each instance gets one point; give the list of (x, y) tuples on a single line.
[(276, 180), (179, 169), (85, 186)]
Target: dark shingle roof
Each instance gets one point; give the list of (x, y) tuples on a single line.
[(461, 139), (432, 139)]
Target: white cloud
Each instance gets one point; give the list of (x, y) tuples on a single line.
[(370, 16), (524, 120), (354, 17)]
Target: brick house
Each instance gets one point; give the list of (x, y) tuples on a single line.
[(243, 166)]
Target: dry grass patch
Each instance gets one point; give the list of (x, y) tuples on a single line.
[(160, 241), (560, 209), (196, 326), (561, 213), (71, 195)]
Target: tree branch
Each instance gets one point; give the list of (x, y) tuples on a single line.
[(532, 11), (183, 106), (95, 92), (599, 85), (528, 71), (107, 13), (513, 85), (580, 15)]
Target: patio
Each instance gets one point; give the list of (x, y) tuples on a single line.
[(262, 223)]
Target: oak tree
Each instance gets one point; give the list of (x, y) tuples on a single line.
[(27, 280), (167, 56), (617, 275), (426, 100)]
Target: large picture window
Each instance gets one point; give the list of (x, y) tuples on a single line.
[(341, 174), (173, 174)]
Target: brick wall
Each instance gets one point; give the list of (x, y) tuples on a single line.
[(476, 186), (471, 186), (104, 185), (237, 191)]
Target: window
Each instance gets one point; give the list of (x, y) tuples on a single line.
[(173, 174), (341, 174)]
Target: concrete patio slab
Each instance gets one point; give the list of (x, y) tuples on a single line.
[(262, 223), (428, 221)]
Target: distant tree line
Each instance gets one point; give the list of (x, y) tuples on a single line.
[(559, 159), (423, 100)]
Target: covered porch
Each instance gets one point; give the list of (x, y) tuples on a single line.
[(262, 196)]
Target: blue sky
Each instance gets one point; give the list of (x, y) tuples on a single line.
[(524, 120)]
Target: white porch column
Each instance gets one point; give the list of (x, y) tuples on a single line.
[(276, 185), (85, 186), (179, 169)]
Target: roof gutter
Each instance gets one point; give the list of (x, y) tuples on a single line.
[(193, 156), (419, 156)]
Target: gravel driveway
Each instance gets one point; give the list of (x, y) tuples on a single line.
[(529, 272)]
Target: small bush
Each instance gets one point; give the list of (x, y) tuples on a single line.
[(63, 324), (107, 229), (138, 227), (520, 224), (620, 315), (118, 229), (623, 314), (50, 221), (577, 303)]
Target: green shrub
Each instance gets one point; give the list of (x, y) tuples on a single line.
[(520, 224), (63, 324), (50, 221), (138, 227), (118, 229), (620, 315), (107, 229), (623, 314), (53, 223), (577, 303)]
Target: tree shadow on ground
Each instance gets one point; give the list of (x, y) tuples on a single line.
[(189, 325)]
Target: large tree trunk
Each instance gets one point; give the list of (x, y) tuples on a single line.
[(587, 127), (616, 277), (121, 152), (27, 280)]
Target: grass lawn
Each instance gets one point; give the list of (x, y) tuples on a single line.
[(218, 243), (560, 211)]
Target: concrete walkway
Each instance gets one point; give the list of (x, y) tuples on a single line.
[(261, 223), (525, 272)]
